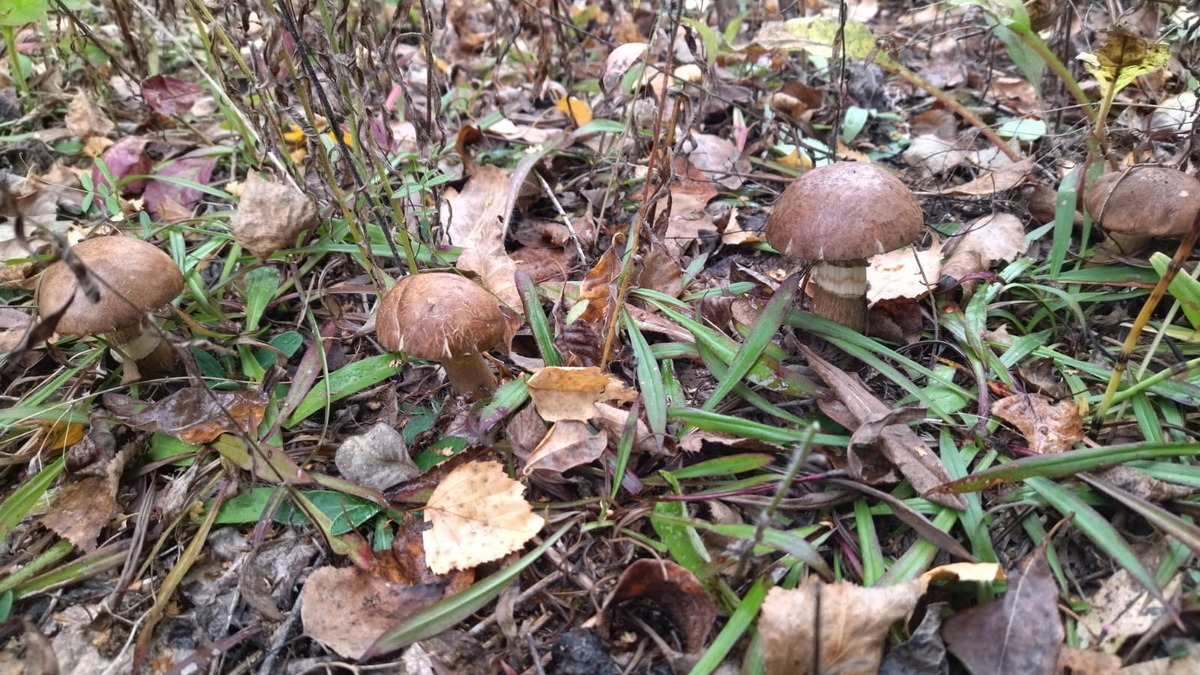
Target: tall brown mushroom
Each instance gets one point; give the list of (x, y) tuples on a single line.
[(134, 278), (836, 216), (447, 318), (1142, 202)]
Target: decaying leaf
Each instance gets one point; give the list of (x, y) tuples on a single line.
[(899, 444), (194, 414), (1018, 633), (571, 393), (1122, 609), (347, 609), (376, 459), (1048, 426), (270, 216), (999, 180), (567, 445), (1123, 57), (85, 507), (476, 515), (648, 586)]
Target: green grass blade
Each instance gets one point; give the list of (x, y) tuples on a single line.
[(764, 330), (1063, 464), (733, 630)]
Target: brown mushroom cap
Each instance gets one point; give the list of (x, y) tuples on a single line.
[(844, 212), (437, 315), (1154, 201), (137, 278)]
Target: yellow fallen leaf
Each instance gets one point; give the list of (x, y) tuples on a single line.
[(476, 515), (579, 111)]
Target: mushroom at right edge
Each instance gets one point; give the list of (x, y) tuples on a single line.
[(1140, 203), (837, 216)]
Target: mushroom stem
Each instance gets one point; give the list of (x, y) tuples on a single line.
[(469, 373), (840, 294), (145, 349)]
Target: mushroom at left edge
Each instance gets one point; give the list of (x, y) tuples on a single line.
[(134, 278)]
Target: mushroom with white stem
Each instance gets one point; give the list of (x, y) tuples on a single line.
[(134, 277), (444, 317), (1140, 203), (836, 216)]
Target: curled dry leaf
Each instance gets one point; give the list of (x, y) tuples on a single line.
[(648, 586), (567, 445), (270, 216), (718, 160), (897, 443), (347, 609), (999, 180), (1048, 426), (195, 414), (376, 459), (476, 515), (571, 393), (619, 61)]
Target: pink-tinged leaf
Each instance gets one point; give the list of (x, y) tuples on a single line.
[(127, 157), (168, 199), (170, 95)]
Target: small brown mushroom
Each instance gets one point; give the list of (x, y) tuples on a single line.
[(837, 216), (134, 277), (1140, 203), (447, 318)]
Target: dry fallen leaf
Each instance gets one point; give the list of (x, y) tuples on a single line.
[(474, 221), (84, 508), (85, 118), (567, 445), (376, 459), (270, 216), (985, 241), (347, 609), (899, 444), (194, 414), (571, 393), (851, 627), (1122, 609), (1049, 427), (666, 587), (903, 273), (476, 515), (1018, 633)]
